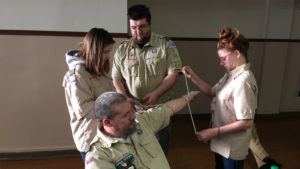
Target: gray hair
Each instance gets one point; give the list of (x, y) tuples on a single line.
[(106, 103)]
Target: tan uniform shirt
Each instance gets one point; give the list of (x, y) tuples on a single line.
[(141, 150), (81, 90), (144, 69), (236, 99)]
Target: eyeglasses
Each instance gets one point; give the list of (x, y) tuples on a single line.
[(223, 58), (140, 27)]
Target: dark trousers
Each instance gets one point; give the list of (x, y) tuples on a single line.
[(227, 163), (164, 137)]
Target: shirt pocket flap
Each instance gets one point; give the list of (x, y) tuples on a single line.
[(152, 147)]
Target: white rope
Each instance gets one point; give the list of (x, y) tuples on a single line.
[(187, 101)]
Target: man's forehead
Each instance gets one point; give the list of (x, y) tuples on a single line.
[(123, 107), (138, 22)]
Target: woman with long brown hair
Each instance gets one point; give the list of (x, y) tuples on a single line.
[(87, 78)]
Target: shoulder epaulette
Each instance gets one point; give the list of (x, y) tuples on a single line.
[(125, 41), (167, 38)]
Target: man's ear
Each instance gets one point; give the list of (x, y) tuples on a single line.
[(106, 122)]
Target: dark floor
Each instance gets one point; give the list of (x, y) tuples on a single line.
[(280, 135)]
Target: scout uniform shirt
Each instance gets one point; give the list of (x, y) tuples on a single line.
[(144, 69), (140, 150), (236, 99), (81, 91)]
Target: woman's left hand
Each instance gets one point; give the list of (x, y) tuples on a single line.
[(206, 135)]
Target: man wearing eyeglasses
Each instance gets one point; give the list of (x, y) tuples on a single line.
[(146, 66)]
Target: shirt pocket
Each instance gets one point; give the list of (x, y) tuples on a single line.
[(132, 67), (151, 147), (155, 66)]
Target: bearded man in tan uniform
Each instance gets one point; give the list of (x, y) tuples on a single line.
[(146, 66)]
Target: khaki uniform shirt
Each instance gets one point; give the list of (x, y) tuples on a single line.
[(144, 69), (140, 150), (81, 90), (236, 99)]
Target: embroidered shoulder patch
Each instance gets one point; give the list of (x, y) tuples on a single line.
[(88, 159), (172, 45), (178, 65), (73, 78)]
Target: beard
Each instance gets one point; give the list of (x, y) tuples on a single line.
[(132, 128), (143, 39), (132, 125)]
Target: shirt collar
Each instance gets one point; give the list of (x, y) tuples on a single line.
[(153, 40), (106, 141), (238, 70)]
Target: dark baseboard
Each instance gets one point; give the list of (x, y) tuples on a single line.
[(39, 155)]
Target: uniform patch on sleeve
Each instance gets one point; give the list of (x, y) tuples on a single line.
[(88, 159), (172, 45), (178, 65), (126, 162)]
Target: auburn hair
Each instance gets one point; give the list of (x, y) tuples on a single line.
[(232, 40)]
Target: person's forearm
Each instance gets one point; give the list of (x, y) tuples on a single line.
[(166, 84), (235, 127), (203, 86), (178, 104), (119, 87), (208, 134)]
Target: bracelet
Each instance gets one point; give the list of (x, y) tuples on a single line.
[(219, 134)]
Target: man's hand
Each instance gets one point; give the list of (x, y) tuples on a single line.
[(149, 99), (192, 95)]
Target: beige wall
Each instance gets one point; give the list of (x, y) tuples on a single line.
[(63, 15), (33, 112), (202, 18)]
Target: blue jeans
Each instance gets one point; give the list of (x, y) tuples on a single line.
[(83, 156), (227, 163)]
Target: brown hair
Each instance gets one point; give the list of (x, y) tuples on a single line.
[(232, 40), (91, 49)]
